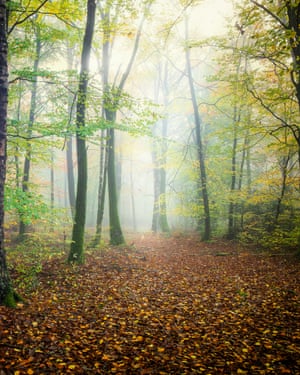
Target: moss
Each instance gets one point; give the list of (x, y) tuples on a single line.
[(12, 298), (9, 299)]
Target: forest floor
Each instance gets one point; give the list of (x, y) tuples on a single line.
[(158, 306)]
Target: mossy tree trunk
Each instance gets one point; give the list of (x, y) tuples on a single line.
[(76, 254)]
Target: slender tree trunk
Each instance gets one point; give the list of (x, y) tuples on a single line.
[(156, 186), (232, 200), (101, 189), (132, 196), (163, 220), (164, 225), (77, 246), (16, 156), (52, 192), (284, 173), (27, 162), (159, 215), (241, 175), (159, 157), (237, 111), (200, 149), (104, 70), (116, 234), (110, 105), (70, 175), (69, 145)]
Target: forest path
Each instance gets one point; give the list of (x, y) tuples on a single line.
[(158, 306)]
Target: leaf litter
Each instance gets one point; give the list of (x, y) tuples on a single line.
[(158, 306)]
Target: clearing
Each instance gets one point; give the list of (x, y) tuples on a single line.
[(159, 306)]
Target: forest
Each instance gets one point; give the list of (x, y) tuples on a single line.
[(149, 187)]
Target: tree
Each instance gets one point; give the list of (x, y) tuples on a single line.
[(76, 251)]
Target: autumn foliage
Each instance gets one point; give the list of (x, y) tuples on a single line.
[(158, 306)]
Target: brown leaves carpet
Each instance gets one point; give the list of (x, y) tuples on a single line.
[(158, 306)]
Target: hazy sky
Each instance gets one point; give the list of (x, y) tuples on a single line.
[(211, 16)]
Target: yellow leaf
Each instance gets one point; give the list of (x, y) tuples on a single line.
[(61, 364), (72, 367), (30, 371)]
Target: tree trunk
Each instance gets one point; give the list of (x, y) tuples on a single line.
[(17, 151), (69, 145), (101, 189), (163, 220), (159, 216), (132, 196), (7, 295), (284, 173), (27, 162), (200, 149), (110, 106), (159, 157), (116, 235), (70, 175), (293, 12), (77, 246), (245, 155), (236, 119), (156, 187), (103, 146), (232, 203)]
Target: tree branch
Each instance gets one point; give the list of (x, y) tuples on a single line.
[(26, 17), (273, 15), (293, 127)]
